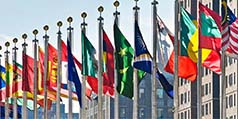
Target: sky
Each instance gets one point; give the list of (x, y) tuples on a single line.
[(18, 17)]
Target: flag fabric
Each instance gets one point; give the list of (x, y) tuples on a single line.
[(2, 83), (108, 66), (227, 19), (124, 58), (9, 71), (234, 37), (73, 74), (143, 60), (210, 29), (88, 59), (187, 69), (210, 38)]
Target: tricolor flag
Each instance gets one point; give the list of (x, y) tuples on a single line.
[(143, 61)]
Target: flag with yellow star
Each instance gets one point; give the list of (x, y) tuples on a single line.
[(124, 64)]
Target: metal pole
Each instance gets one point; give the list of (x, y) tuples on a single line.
[(116, 98), (155, 55), (70, 29), (59, 71), (35, 41), (83, 110), (176, 41), (135, 81), (100, 70), (14, 77), (46, 37), (7, 44), (24, 45)]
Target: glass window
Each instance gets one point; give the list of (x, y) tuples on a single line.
[(202, 91), (160, 113), (234, 99), (141, 113), (185, 97), (234, 78), (209, 87), (226, 80), (209, 107), (230, 101), (226, 102), (206, 71), (202, 110), (181, 101), (122, 112), (188, 114), (188, 96), (142, 92), (181, 115), (185, 115), (206, 89), (185, 3), (206, 109), (159, 93), (230, 80), (230, 61)]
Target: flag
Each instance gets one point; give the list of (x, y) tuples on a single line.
[(143, 60), (124, 58), (9, 71), (210, 38), (210, 29), (73, 74), (10, 110), (187, 69), (108, 66), (2, 83), (227, 19), (88, 59)]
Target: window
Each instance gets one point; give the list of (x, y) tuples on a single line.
[(230, 79), (185, 115), (122, 112), (202, 91), (209, 88), (206, 109), (226, 102), (202, 110), (159, 93), (234, 78), (230, 61), (160, 113), (141, 113), (234, 99), (226, 80), (206, 71), (209, 108), (188, 96), (181, 101), (185, 97), (142, 92), (182, 115), (206, 89), (185, 3), (230, 101), (188, 114)]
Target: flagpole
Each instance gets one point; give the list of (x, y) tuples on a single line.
[(15, 40), (24, 45), (59, 71), (100, 81), (7, 44), (35, 41), (116, 98), (46, 37), (83, 109), (176, 51), (155, 55), (70, 29), (135, 81)]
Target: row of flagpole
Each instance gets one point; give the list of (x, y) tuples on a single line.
[(59, 71)]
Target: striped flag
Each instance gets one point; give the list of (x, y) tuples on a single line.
[(229, 26)]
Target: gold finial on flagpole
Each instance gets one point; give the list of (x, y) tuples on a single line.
[(46, 27), (7, 44), (15, 40), (35, 32), (24, 36)]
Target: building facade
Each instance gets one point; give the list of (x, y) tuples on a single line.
[(211, 82), (165, 104)]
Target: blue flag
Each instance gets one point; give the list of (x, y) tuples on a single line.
[(72, 73), (143, 61)]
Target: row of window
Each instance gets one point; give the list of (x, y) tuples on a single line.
[(231, 101), (231, 117), (183, 81), (230, 80), (229, 61), (206, 89), (184, 115), (184, 98), (206, 109)]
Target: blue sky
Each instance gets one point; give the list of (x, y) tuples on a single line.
[(18, 17)]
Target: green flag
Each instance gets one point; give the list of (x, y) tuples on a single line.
[(88, 58), (124, 59)]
